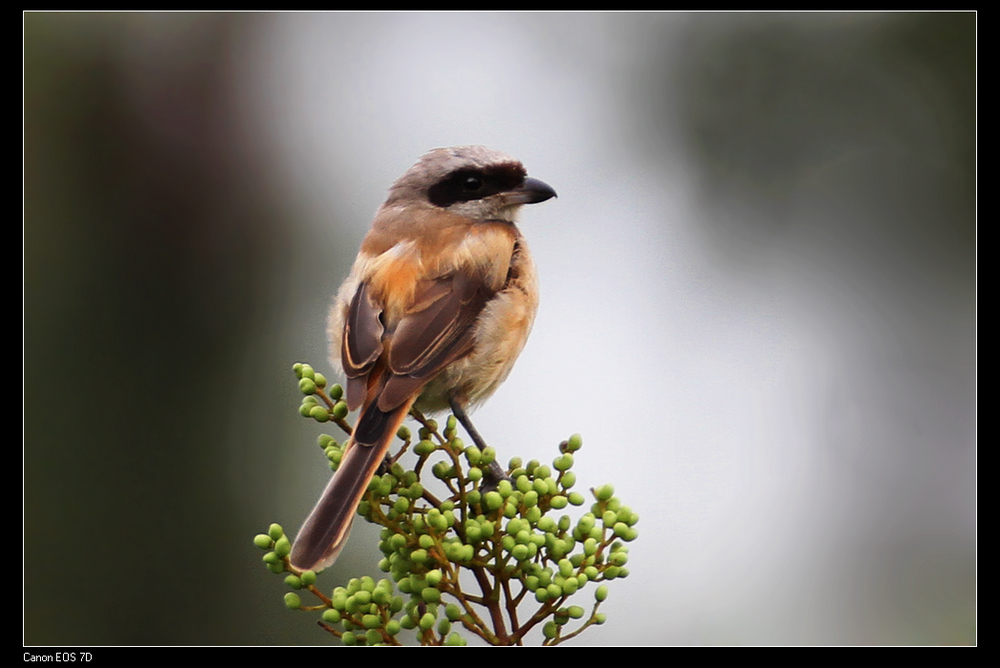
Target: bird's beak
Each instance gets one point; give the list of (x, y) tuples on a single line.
[(532, 191)]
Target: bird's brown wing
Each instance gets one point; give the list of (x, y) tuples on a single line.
[(437, 331), (389, 367), (361, 344)]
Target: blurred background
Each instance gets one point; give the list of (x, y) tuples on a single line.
[(758, 304)]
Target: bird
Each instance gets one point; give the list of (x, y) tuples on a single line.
[(435, 311)]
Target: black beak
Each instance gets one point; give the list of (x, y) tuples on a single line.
[(532, 191)]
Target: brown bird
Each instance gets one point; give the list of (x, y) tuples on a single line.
[(436, 310)]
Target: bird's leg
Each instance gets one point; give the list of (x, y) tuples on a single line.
[(494, 472)]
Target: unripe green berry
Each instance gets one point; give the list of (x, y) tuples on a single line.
[(493, 500), (263, 541), (292, 601), (319, 413), (282, 547), (604, 492), (563, 463), (523, 483), (602, 593)]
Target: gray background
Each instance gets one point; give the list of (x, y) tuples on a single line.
[(758, 304)]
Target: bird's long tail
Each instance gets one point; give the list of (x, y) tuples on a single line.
[(325, 531)]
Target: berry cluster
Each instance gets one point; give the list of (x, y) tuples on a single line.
[(491, 554)]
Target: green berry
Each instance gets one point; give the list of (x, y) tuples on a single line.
[(604, 492), (563, 463), (493, 500), (263, 541), (282, 547), (574, 443), (292, 601)]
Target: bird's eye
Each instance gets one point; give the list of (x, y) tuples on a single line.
[(472, 183)]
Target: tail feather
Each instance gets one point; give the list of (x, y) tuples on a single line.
[(325, 531)]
